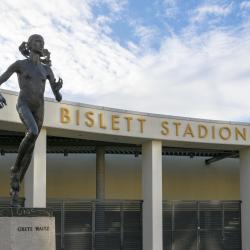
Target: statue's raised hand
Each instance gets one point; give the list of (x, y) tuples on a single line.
[(58, 84), (2, 101)]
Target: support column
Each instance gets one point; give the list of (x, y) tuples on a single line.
[(245, 197), (152, 195), (100, 173), (35, 178)]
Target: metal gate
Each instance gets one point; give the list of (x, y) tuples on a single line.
[(201, 225), (98, 225)]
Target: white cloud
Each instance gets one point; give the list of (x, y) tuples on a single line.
[(146, 34), (201, 75), (192, 77), (115, 6), (245, 5), (170, 2), (171, 8), (205, 10), (82, 54)]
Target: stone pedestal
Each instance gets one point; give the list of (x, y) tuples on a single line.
[(27, 229)]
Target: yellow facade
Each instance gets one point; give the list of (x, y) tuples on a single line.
[(184, 178)]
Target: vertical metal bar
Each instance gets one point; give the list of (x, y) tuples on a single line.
[(198, 225), (223, 225), (62, 225), (93, 225), (121, 227), (240, 202), (173, 225), (141, 207)]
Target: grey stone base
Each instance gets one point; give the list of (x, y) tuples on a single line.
[(27, 233)]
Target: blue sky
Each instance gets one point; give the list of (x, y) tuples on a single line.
[(176, 57), (157, 20)]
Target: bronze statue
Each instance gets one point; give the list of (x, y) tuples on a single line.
[(32, 74)]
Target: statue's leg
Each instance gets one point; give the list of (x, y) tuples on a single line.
[(14, 189), (16, 179), (26, 162), (38, 116), (28, 141), (26, 146)]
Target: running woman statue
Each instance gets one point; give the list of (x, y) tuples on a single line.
[(32, 74)]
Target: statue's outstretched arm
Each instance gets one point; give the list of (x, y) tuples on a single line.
[(4, 77), (7, 74), (55, 85)]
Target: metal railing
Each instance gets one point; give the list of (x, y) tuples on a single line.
[(117, 224)]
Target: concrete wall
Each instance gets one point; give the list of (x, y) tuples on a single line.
[(184, 178)]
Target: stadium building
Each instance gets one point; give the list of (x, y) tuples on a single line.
[(125, 180)]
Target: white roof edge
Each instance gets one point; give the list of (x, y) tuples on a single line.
[(47, 99)]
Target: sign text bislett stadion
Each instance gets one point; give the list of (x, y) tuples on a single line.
[(158, 126), (113, 122)]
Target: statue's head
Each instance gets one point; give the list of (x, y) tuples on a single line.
[(36, 44)]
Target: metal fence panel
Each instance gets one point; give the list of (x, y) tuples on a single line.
[(117, 225), (201, 225), (98, 225)]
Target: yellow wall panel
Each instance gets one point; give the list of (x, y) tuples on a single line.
[(184, 178)]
